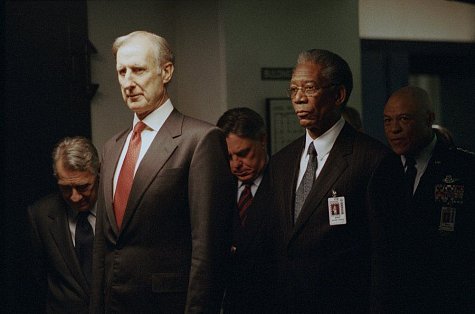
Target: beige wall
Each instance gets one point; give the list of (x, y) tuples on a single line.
[(434, 20), (107, 21), (220, 47), (272, 33)]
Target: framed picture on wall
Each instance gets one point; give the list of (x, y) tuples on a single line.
[(282, 123)]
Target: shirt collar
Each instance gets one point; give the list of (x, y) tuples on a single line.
[(324, 143), (157, 118), (74, 213), (256, 181), (424, 155)]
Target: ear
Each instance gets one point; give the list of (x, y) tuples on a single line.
[(167, 72), (430, 118), (263, 141), (340, 95)]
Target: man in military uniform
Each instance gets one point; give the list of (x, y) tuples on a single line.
[(441, 218)]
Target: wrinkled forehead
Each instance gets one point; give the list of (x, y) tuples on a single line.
[(135, 52), (398, 105), (306, 72)]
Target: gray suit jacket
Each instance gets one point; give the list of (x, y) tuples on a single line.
[(332, 268), (55, 264), (169, 255)]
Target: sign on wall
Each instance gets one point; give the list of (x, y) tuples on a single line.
[(282, 123)]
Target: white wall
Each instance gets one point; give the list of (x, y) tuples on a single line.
[(431, 20)]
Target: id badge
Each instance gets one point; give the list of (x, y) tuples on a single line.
[(447, 219), (336, 210)]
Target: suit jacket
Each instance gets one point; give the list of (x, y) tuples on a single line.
[(249, 287), (339, 268), (55, 264), (168, 256), (442, 265)]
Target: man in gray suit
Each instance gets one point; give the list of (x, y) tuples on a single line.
[(166, 197), (62, 258), (337, 206)]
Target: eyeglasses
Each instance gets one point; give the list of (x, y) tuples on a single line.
[(308, 90)]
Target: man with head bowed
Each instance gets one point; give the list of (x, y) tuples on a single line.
[(62, 230), (249, 286), (164, 208)]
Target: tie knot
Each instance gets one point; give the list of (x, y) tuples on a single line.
[(139, 127), (83, 215), (311, 150), (410, 161)]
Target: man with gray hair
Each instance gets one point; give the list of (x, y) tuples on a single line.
[(62, 229), (336, 195), (166, 195)]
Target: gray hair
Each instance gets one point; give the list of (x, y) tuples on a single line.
[(334, 68), (76, 153), (161, 48)]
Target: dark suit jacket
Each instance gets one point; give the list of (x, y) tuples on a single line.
[(168, 256), (55, 264), (331, 269), (249, 287), (442, 265)]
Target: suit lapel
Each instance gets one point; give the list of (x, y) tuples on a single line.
[(59, 229), (108, 177), (289, 194), (162, 147), (332, 170)]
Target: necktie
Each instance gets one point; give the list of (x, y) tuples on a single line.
[(411, 173), (84, 237), (307, 180), (126, 175), (245, 200)]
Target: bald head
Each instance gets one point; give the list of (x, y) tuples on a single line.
[(408, 119)]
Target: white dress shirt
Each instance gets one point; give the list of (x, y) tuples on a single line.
[(154, 122), (73, 218), (422, 161), (254, 186), (323, 145)]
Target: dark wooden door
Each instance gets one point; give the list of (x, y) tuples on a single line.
[(45, 98)]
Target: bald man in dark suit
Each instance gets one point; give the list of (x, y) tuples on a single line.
[(63, 281), (336, 198), (161, 242)]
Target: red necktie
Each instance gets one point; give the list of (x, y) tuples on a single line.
[(244, 202), (126, 175)]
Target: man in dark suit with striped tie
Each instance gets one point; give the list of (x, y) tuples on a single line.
[(336, 199), (441, 218), (62, 230), (249, 285)]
